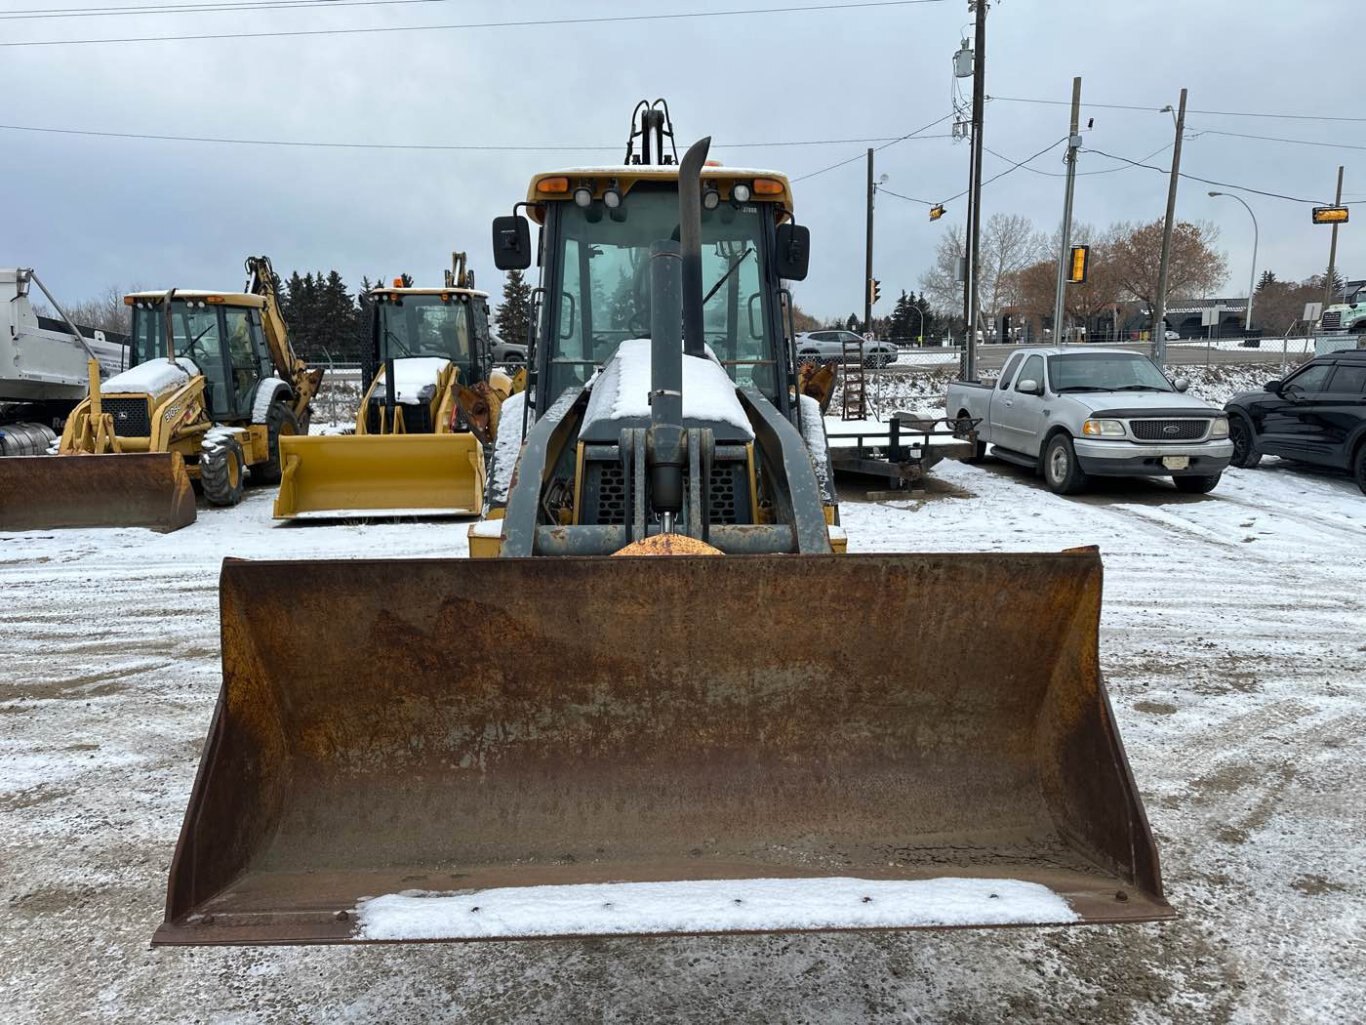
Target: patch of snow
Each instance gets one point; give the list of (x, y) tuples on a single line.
[(487, 528), (412, 374), (155, 377), (725, 905), (507, 445), (623, 390), (218, 433), (265, 395)]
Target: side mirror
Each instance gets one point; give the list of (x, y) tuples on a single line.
[(1030, 387), (1274, 387), (511, 243), (1181, 383), (794, 251)]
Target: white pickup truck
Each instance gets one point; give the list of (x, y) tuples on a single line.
[(1073, 413)]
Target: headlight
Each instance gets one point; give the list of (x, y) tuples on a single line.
[(1103, 429), (1219, 429)]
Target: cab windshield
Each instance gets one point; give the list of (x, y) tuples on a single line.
[(424, 325), (194, 325), (1105, 371), (605, 289)]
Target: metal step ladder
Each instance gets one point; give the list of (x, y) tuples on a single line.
[(855, 395)]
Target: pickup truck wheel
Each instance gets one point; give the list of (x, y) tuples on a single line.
[(1197, 485), (1061, 472), (1245, 454)]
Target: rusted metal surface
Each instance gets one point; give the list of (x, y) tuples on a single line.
[(129, 489), (442, 725)]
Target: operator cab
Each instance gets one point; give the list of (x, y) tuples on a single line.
[(220, 333)]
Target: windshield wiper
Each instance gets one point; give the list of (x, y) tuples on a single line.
[(389, 333), (1081, 387), (726, 276), (1141, 387)]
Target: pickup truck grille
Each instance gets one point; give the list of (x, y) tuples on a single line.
[(1169, 430), (131, 419)]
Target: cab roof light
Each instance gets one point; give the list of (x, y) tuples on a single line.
[(740, 192), (768, 187), (557, 186), (213, 299), (583, 196)]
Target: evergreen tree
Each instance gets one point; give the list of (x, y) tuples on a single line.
[(514, 315)]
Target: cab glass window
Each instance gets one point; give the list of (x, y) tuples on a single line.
[(1310, 380), (1349, 380), (1032, 371)]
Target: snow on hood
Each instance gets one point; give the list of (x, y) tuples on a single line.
[(155, 377), (622, 391), (1141, 400), (412, 374), (713, 905)]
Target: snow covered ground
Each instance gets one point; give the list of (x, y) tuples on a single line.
[(1234, 643)]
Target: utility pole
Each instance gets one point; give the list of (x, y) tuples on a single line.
[(1073, 144), (868, 277), (974, 242), (1159, 339), (1328, 295)]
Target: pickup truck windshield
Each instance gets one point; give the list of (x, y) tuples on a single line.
[(1105, 371)]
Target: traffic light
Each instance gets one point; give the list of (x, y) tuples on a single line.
[(1330, 215), (936, 212), (874, 290), (1078, 265)]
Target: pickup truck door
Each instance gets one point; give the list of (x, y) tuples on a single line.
[(1291, 424), (1016, 416)]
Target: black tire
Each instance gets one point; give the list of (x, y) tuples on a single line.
[(1359, 466), (1196, 485), (279, 420), (222, 471), (1061, 472), (1245, 454)]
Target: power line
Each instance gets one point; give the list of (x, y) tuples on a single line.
[(1058, 174), (1009, 170), (881, 189), (1272, 138), (891, 142), (1157, 110), (1208, 181), (312, 144), (528, 23), (210, 8)]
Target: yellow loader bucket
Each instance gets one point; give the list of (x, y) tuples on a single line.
[(126, 489), (380, 475), (505, 748)]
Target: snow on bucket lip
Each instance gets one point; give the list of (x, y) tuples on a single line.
[(708, 906)]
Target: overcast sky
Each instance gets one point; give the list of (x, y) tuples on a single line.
[(92, 212)]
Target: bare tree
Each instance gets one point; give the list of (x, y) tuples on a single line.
[(103, 312), (1195, 270), (1010, 243)]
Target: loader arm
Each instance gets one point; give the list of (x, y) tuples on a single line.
[(305, 380)]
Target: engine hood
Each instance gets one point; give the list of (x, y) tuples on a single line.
[(1138, 403)]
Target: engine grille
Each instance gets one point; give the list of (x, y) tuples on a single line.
[(1332, 321), (611, 493), (606, 493), (131, 417), (1169, 430)]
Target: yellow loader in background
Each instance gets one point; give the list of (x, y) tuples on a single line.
[(213, 387), (418, 447), (750, 732)]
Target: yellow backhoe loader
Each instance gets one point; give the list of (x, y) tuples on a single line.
[(749, 732), (213, 387), (418, 447)]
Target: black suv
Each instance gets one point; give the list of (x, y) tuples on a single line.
[(1316, 415)]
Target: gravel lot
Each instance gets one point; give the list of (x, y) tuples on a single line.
[(1234, 642)]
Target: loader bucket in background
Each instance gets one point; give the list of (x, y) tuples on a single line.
[(127, 489), (380, 475), (748, 722)]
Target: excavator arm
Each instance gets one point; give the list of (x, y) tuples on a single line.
[(305, 380)]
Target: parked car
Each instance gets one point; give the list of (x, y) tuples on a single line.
[(507, 352), (827, 346), (1316, 415), (1077, 413)]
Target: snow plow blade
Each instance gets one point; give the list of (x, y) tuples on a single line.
[(375, 475), (125, 489), (507, 748)]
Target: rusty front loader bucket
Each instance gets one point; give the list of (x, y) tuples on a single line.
[(127, 489), (528, 747), (373, 475)]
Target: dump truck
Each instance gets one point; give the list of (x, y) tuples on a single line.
[(43, 366), (213, 385), (418, 447), (556, 738)]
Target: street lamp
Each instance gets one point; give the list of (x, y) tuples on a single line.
[(1252, 286)]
